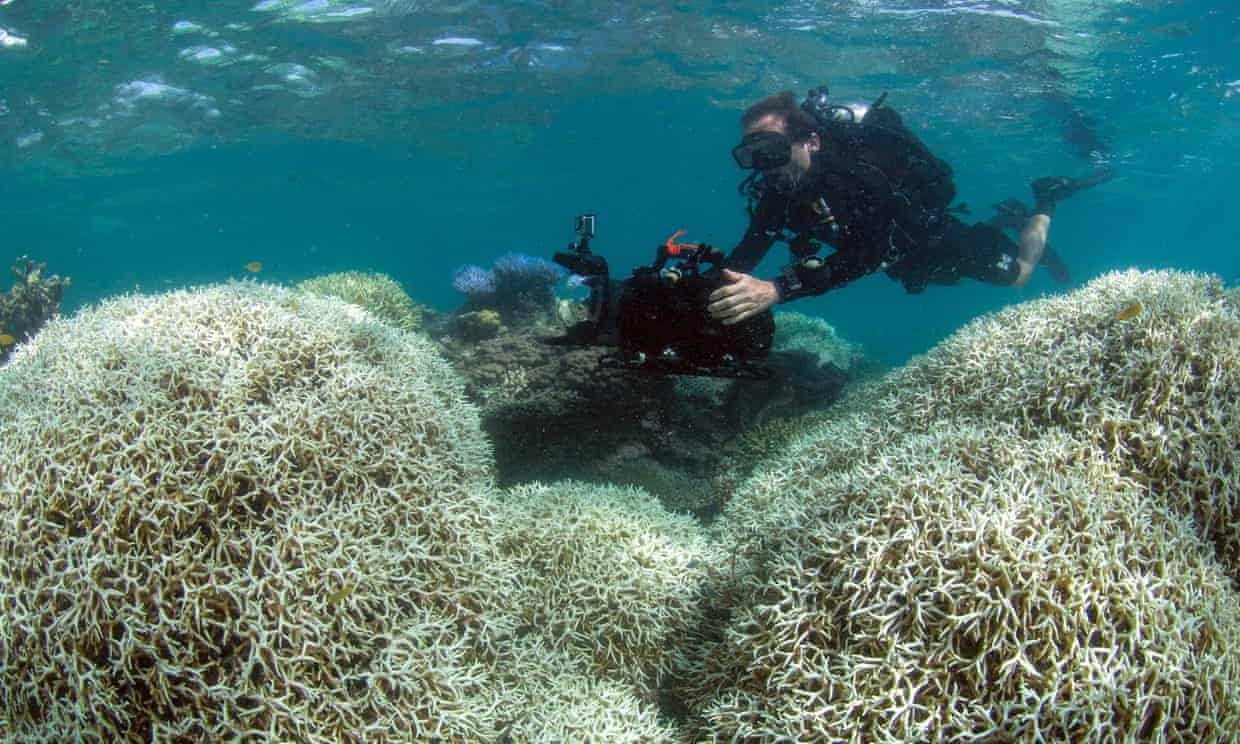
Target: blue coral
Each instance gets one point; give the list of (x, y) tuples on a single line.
[(522, 273), (474, 281), (516, 285)]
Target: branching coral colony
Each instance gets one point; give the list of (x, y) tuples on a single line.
[(377, 293), (186, 502), (1156, 388), (969, 584)]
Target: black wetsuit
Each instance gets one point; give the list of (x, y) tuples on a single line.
[(873, 208)]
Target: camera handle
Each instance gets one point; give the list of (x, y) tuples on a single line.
[(689, 255)]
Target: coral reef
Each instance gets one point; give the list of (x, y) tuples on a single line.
[(474, 282), (761, 444), (1003, 540), (552, 700), (556, 412), (378, 293), (244, 513), (247, 513), (799, 332), (476, 325), (30, 303)]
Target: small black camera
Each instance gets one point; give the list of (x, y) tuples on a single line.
[(585, 226)]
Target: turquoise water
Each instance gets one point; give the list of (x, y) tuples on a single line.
[(160, 145)]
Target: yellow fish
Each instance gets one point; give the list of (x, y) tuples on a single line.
[(1130, 311), (254, 267), (7, 339)]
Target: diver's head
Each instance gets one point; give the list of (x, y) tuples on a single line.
[(778, 140)]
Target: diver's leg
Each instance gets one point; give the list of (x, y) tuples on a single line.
[(980, 251), (1031, 244), (1012, 214), (1047, 192), (987, 254)]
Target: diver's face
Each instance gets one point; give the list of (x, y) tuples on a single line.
[(765, 147)]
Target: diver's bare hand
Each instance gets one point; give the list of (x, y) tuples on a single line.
[(742, 298)]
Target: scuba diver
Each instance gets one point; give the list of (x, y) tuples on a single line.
[(856, 179)]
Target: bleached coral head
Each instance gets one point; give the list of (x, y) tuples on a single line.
[(238, 512)]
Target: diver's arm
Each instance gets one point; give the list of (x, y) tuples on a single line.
[(745, 296), (814, 275), (751, 250)]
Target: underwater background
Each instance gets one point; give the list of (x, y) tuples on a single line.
[(295, 465), (166, 144)]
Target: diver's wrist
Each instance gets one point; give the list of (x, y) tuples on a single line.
[(779, 285)]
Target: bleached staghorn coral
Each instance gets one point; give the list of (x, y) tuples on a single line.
[(553, 698), (243, 513), (605, 574), (378, 293), (239, 512), (1144, 365), (961, 585)]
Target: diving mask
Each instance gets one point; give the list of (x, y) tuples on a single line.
[(762, 150)]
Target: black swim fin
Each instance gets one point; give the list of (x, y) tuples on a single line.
[(1050, 190), (1055, 265)]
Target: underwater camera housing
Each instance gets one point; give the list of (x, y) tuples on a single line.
[(657, 317)]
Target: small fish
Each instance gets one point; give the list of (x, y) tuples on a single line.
[(7, 339), (254, 267), (1130, 311)]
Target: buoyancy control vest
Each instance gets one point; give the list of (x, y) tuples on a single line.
[(909, 184), (876, 154)]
